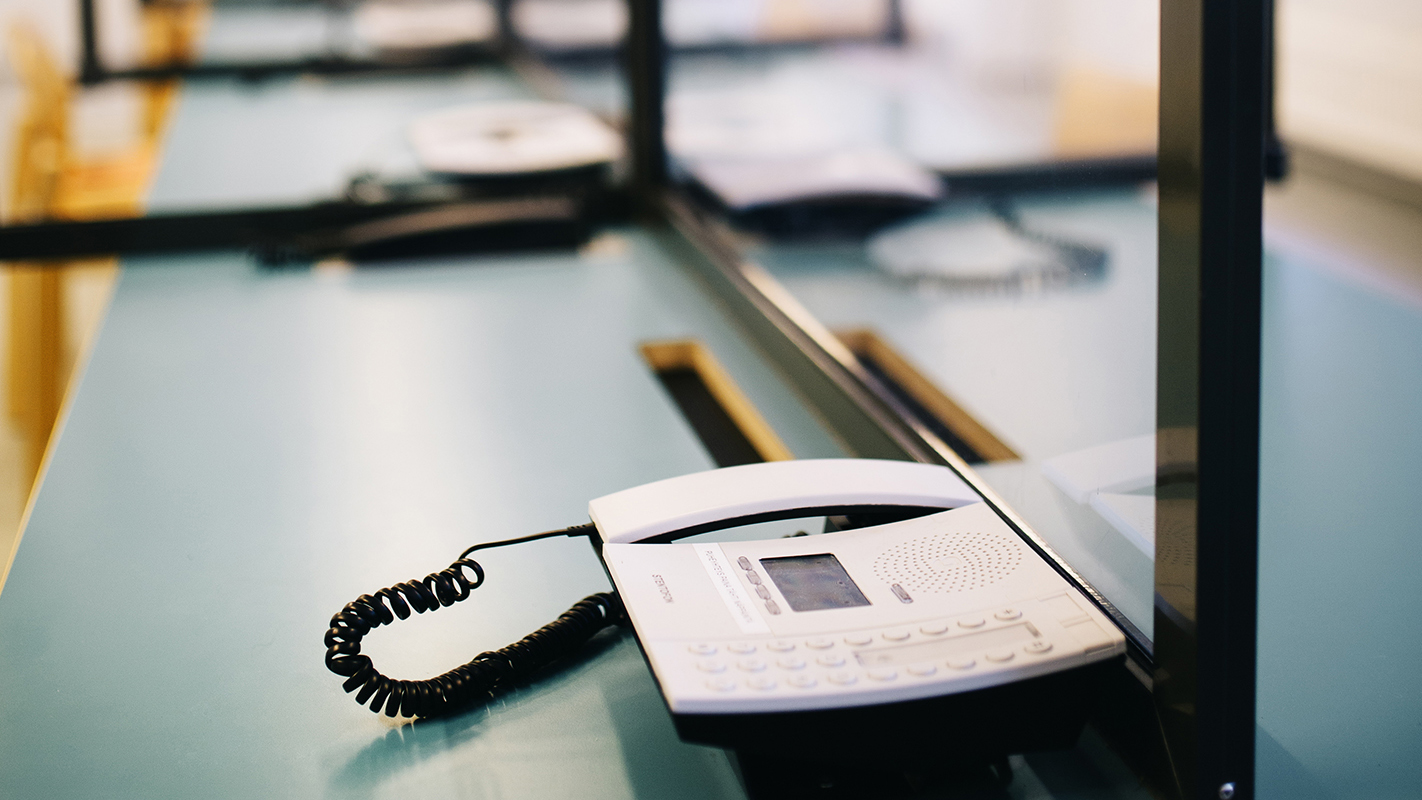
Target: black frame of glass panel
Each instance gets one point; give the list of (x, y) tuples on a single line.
[(1184, 717), (1215, 68), (282, 236), (93, 70)]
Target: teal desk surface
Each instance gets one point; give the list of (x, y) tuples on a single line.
[(1339, 515), (248, 451)]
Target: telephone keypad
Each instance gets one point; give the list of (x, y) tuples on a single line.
[(859, 657)]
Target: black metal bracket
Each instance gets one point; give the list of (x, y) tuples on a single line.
[(541, 218)]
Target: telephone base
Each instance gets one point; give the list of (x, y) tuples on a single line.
[(769, 778), (968, 728)]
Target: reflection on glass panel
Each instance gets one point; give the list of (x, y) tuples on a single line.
[(967, 206)]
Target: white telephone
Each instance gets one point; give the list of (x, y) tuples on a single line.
[(779, 644), (940, 636)]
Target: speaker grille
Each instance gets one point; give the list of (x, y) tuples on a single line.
[(950, 562)]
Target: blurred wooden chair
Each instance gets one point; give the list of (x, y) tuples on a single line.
[(50, 180)]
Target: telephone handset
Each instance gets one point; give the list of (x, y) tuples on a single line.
[(721, 498), (894, 641)]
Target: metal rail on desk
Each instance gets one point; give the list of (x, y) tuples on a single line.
[(282, 232)]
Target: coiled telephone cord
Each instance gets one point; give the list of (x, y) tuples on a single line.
[(483, 675)]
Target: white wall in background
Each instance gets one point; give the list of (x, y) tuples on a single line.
[(1040, 37), (1121, 37), (1002, 41), (1350, 79)]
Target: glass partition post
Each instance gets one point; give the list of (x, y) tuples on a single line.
[(646, 72), (90, 69), (1212, 139)]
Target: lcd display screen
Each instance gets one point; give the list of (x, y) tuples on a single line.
[(811, 583)]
